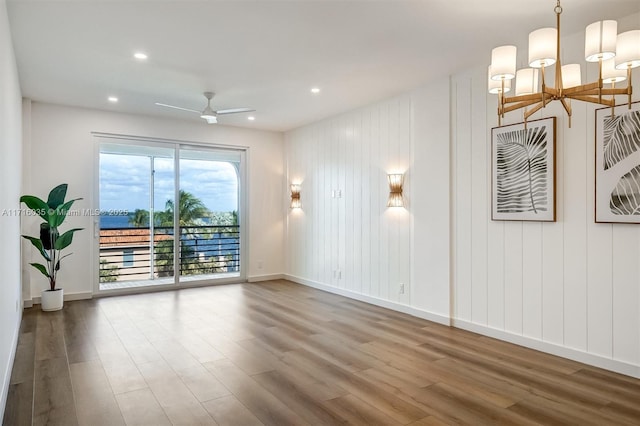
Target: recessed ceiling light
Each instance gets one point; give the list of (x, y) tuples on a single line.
[(113, 99), (251, 118), (140, 55), (315, 90)]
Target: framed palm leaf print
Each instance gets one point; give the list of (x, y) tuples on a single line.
[(523, 171), (618, 164)]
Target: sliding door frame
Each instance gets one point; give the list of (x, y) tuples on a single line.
[(177, 145)]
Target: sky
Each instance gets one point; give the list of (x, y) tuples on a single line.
[(125, 182)]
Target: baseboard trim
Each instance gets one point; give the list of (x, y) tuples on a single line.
[(268, 277), (9, 369), (553, 349), (68, 297), (406, 309)]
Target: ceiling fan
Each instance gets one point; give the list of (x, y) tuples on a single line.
[(208, 113)]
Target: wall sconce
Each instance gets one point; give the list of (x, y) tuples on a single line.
[(295, 197), (395, 190)]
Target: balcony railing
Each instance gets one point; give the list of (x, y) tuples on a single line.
[(133, 254)]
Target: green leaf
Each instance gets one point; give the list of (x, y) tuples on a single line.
[(60, 213), (37, 205), (56, 196), (58, 263), (41, 268), (65, 239), (38, 244)]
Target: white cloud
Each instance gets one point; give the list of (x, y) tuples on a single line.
[(125, 180)]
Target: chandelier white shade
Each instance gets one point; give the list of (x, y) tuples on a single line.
[(571, 76), (610, 74), (503, 63), (603, 45), (496, 86), (600, 41), (628, 53), (526, 81), (542, 47)]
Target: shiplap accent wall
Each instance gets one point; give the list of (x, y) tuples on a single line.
[(354, 242), (355, 245), (572, 284)]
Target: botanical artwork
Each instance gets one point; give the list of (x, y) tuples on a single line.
[(618, 164), (523, 175)]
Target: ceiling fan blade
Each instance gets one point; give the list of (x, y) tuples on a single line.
[(180, 108), (234, 111)]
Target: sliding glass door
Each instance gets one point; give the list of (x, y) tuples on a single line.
[(169, 215), (208, 216)]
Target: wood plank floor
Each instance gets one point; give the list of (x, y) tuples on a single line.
[(278, 353)]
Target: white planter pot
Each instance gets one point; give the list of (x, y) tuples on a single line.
[(52, 300)]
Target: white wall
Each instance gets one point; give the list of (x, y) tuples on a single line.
[(571, 287), (355, 245), (62, 150), (10, 173)]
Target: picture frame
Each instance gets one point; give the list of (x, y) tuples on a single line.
[(523, 171), (617, 164)]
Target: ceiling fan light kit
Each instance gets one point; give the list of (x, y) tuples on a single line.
[(616, 55), (209, 114)]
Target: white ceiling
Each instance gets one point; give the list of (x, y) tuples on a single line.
[(266, 54)]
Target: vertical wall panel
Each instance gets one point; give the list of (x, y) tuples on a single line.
[(575, 241), (625, 293), (404, 219), (356, 213), (431, 180), (367, 242), (479, 205), (381, 189), (462, 194), (532, 280), (513, 260), (343, 142), (374, 188), (553, 253)]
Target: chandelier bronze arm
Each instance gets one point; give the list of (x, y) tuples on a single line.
[(595, 100)]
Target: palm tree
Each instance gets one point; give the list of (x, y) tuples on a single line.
[(190, 208), (140, 218)]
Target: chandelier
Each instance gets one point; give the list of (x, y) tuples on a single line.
[(616, 55)]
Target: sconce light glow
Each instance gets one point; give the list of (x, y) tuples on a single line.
[(396, 181), (112, 99), (295, 197), (140, 56), (251, 118), (315, 90)]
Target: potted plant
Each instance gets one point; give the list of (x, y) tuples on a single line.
[(51, 243)]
